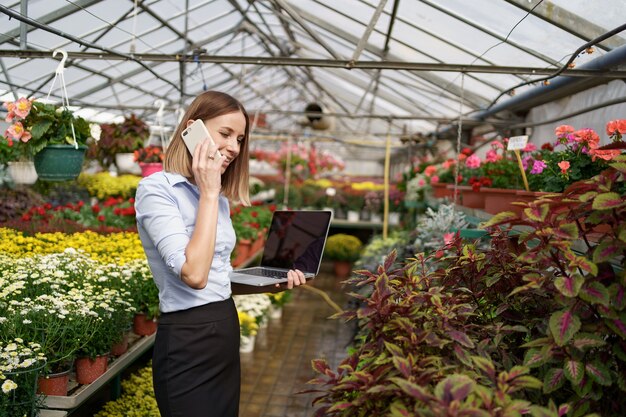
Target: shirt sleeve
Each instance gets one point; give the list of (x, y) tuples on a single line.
[(159, 216)]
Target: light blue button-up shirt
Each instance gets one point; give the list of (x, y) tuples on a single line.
[(167, 206)]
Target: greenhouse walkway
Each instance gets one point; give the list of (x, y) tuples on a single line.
[(280, 364)]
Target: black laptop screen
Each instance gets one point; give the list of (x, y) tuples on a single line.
[(296, 240)]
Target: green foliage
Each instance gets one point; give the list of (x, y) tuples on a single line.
[(528, 324), (343, 247), (124, 137), (137, 398)]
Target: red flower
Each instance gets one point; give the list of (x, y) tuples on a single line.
[(100, 218), (95, 209), (547, 146)]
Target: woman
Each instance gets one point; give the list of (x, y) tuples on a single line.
[(185, 229)]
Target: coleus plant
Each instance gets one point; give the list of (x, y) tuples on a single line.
[(535, 324)]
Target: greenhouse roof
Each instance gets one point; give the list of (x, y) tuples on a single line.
[(374, 67)]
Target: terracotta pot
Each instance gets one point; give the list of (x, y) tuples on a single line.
[(242, 251), (54, 384), (150, 168), (342, 269), (122, 347), (467, 197), (88, 370), (498, 200), (440, 190), (143, 326), (258, 243)]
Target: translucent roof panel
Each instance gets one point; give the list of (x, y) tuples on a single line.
[(279, 56)]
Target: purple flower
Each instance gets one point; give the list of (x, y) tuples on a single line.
[(538, 167), (525, 161)]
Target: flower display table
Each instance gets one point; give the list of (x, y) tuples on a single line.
[(59, 406)]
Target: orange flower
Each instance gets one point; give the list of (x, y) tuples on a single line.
[(564, 165), (606, 154), (616, 126)]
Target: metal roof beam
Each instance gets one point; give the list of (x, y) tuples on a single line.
[(295, 15), (491, 33), (50, 18), (368, 30), (567, 21)]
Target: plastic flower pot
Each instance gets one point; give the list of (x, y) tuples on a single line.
[(150, 168), (59, 162), (88, 370), (54, 384), (23, 172), (126, 164), (143, 326)]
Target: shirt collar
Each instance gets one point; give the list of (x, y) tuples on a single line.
[(174, 178)]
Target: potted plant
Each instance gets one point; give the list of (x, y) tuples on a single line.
[(150, 159), (344, 250), (248, 329), (19, 163), (278, 300), (145, 295), (53, 135)]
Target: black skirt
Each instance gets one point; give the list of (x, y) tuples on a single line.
[(196, 369)]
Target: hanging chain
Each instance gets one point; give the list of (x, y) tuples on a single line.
[(458, 144)]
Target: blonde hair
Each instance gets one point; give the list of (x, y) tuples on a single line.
[(208, 105)]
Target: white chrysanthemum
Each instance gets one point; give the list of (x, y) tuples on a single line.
[(8, 386)]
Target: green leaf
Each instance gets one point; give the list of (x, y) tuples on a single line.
[(553, 380), (618, 296), (595, 293), (574, 371), (340, 406), (608, 201), (620, 166), (527, 382), (618, 325), (535, 358), (40, 128), (567, 231), (537, 213), (538, 411), (393, 349), (569, 286), (500, 218), (599, 373), (563, 326), (398, 409), (605, 251)]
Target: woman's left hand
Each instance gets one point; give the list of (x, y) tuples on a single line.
[(295, 277)]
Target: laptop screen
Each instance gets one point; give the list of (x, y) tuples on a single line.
[(296, 240)]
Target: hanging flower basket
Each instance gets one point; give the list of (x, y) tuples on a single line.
[(23, 172), (59, 162)]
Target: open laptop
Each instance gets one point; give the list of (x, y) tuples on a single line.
[(295, 240)]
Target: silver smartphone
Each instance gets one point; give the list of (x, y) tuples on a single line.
[(195, 134)]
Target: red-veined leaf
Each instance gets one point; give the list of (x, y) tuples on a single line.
[(542, 341), (584, 341), (618, 325), (599, 373), (534, 358), (605, 251), (516, 408), (563, 326), (589, 195), (620, 166), (537, 212), (455, 387), (393, 349), (526, 382), (461, 338), (498, 219), (574, 371), (553, 380), (567, 231), (403, 365), (622, 235), (412, 389), (398, 409), (608, 201), (595, 293), (486, 366), (340, 406), (320, 365), (618, 296), (569, 286), (564, 409)]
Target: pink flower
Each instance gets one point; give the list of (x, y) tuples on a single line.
[(496, 145), (587, 136), (430, 170), (492, 156), (434, 179), (530, 147), (525, 161), (538, 167), (564, 165), (421, 182), (616, 126), (473, 162), (22, 107), (448, 238), (17, 132), (563, 130)]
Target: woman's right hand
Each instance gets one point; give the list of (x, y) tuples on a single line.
[(207, 168)]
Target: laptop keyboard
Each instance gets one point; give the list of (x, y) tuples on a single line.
[(264, 272)]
